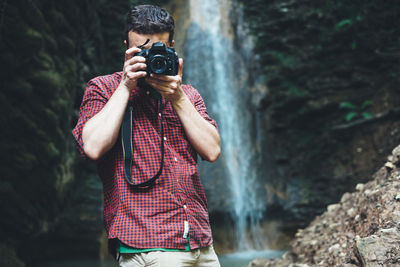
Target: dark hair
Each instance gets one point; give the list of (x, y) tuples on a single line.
[(148, 19)]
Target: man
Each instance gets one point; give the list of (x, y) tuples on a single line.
[(164, 223)]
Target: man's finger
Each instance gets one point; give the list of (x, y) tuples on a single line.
[(135, 60), (136, 67), (159, 86), (137, 75), (161, 77), (153, 82), (130, 52), (180, 69)]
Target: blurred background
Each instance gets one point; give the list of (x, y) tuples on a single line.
[(306, 94)]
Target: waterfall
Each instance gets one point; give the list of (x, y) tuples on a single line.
[(219, 72)]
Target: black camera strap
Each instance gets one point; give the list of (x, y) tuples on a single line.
[(145, 43), (127, 146)]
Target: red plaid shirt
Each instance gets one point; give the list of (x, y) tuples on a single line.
[(153, 218)]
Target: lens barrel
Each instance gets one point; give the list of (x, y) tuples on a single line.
[(158, 64)]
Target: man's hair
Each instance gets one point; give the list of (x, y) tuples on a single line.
[(148, 19)]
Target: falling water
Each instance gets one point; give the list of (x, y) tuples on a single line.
[(219, 72)]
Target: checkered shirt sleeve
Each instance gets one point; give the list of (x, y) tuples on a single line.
[(93, 101), (198, 103)]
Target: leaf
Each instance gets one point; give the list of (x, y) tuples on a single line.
[(366, 104), (343, 23), (347, 105), (351, 115), (366, 115)]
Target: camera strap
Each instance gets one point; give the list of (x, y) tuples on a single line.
[(127, 146)]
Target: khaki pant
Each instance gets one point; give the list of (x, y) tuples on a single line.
[(201, 257)]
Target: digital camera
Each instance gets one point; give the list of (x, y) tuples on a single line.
[(160, 59)]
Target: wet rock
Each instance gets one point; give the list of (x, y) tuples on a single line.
[(257, 263)]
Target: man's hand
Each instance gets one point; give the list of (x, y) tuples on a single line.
[(202, 135), (134, 67), (101, 132), (168, 86)]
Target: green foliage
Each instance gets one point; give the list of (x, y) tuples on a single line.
[(324, 49), (30, 160), (366, 115), (347, 105), (346, 22), (356, 111), (343, 23), (366, 104), (351, 115), (49, 50)]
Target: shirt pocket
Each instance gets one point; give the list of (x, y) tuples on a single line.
[(172, 120)]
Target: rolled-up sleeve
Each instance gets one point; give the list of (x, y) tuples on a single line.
[(93, 101), (198, 103)]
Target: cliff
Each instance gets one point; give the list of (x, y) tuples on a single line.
[(329, 113), (50, 200), (363, 229)]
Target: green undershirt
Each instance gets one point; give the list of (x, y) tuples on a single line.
[(127, 249)]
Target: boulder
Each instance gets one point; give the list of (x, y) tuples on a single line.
[(380, 249)]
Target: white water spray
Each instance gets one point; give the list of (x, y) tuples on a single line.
[(221, 72)]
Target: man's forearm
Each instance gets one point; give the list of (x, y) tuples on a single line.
[(202, 135), (101, 132)]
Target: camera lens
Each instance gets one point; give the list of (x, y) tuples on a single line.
[(158, 64)]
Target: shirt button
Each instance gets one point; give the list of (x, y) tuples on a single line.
[(159, 114), (147, 92), (175, 159), (165, 138), (184, 206)]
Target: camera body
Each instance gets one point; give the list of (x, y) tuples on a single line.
[(160, 59)]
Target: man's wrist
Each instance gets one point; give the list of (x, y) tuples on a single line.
[(124, 88), (179, 103)]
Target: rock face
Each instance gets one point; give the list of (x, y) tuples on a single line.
[(363, 229), (327, 117), (50, 200)]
